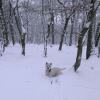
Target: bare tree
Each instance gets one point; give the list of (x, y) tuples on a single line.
[(43, 30), (90, 34), (67, 18), (83, 32), (97, 35), (4, 26), (19, 25)]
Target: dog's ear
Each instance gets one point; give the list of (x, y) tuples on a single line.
[(46, 63)]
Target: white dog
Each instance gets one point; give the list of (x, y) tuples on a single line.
[(53, 72)]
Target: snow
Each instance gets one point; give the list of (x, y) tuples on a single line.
[(87, 24), (13, 2), (23, 78), (80, 20), (23, 29)]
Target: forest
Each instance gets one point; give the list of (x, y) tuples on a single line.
[(52, 32)]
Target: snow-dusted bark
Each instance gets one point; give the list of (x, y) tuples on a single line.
[(23, 37), (91, 33), (89, 42), (99, 49), (72, 26), (80, 45), (67, 18), (97, 37), (43, 30), (11, 24), (1, 46), (20, 27), (4, 25), (83, 32), (64, 32)]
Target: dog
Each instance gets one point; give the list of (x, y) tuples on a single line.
[(52, 72)]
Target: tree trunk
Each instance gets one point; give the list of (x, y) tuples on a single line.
[(4, 24), (19, 27), (99, 49), (52, 27), (12, 34), (97, 41), (90, 16), (64, 32), (89, 42), (80, 46), (43, 31), (23, 44), (97, 37), (71, 34), (90, 34)]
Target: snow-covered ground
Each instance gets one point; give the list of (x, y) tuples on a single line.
[(23, 78)]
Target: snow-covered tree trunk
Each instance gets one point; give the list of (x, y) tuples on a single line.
[(11, 24), (51, 21), (79, 47), (67, 18), (52, 27), (90, 36), (99, 49), (1, 46), (89, 42), (83, 32), (97, 37), (72, 29), (72, 26), (64, 32), (4, 26), (43, 30), (20, 27), (12, 34)]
